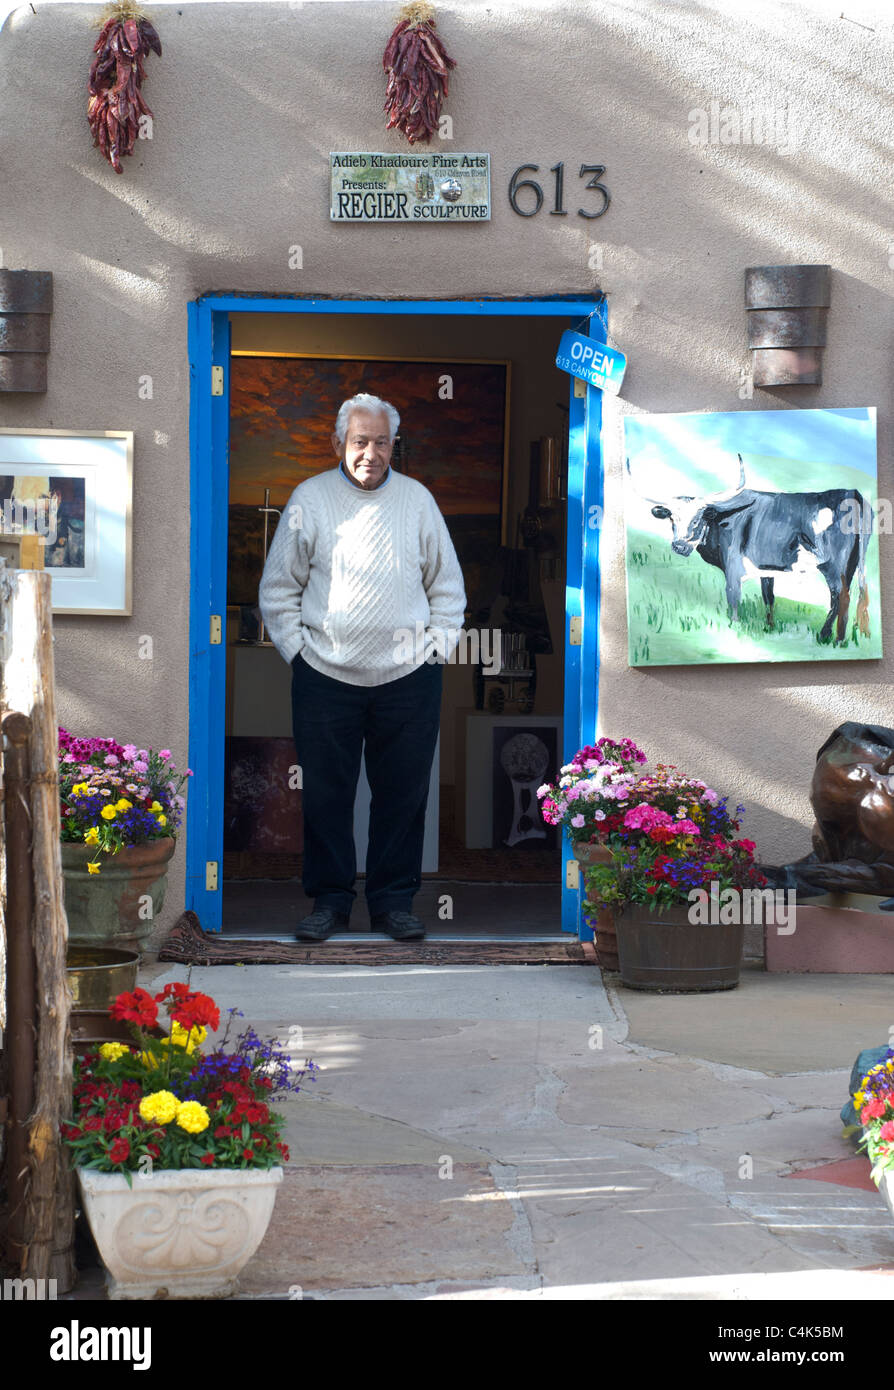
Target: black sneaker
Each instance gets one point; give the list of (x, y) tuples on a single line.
[(400, 926), (320, 924)]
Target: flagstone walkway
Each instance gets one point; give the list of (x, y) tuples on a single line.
[(522, 1132)]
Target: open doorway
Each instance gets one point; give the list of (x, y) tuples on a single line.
[(485, 427)]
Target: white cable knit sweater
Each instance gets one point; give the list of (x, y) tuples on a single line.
[(348, 570)]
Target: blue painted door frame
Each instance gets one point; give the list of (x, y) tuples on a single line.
[(209, 349)]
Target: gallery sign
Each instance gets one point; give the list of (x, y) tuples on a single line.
[(420, 188), (592, 361)]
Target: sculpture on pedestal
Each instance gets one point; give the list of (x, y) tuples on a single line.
[(852, 795)]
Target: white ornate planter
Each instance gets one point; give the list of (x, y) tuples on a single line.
[(179, 1233), (886, 1188)]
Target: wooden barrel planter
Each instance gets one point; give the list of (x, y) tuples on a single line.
[(787, 307), (666, 953), (606, 939), (26, 303)]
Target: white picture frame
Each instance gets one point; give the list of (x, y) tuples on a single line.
[(90, 558)]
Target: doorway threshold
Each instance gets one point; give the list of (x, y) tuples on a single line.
[(370, 938)]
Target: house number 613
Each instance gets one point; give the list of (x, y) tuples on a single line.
[(557, 210)]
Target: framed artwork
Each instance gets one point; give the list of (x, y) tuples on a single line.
[(261, 813), (524, 757), (453, 438), (752, 536), (74, 490)]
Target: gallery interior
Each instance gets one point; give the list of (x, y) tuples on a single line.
[(484, 425)]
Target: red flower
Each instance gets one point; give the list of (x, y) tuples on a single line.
[(223, 1132), (154, 1150), (196, 1011), (138, 1007), (93, 1122), (120, 1151), (248, 1155), (284, 1150), (207, 1159), (652, 888), (176, 990)]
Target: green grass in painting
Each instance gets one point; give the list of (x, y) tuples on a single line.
[(677, 614)]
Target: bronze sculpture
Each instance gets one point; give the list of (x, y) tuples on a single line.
[(852, 795)]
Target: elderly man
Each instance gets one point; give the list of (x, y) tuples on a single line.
[(361, 556)]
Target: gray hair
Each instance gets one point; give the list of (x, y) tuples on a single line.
[(365, 402)]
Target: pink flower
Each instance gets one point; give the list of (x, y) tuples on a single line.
[(873, 1110), (577, 822), (130, 751), (887, 1130), (710, 796), (111, 760), (599, 815), (140, 766), (164, 753)]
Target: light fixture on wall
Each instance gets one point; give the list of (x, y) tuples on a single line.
[(26, 303), (787, 307)]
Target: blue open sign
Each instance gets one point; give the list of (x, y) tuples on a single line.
[(592, 361)]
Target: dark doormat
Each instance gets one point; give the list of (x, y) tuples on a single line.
[(187, 944)]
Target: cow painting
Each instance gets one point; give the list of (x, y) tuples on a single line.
[(758, 535)]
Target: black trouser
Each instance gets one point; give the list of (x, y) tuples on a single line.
[(395, 726)]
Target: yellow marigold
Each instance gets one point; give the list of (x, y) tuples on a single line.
[(188, 1038), (160, 1108), (192, 1117), (91, 836), (108, 813), (92, 868), (111, 1051)]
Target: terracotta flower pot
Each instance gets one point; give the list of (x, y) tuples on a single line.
[(117, 906), (178, 1233), (666, 952)]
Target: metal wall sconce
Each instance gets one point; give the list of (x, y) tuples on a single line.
[(26, 303), (787, 307)]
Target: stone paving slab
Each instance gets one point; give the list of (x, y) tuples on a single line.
[(522, 992), (321, 1132), (368, 1226), (652, 1097), (771, 1023)]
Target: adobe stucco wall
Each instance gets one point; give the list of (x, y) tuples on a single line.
[(248, 101)]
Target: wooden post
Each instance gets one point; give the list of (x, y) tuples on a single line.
[(21, 1035), (29, 688)]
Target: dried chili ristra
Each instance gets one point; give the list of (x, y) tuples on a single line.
[(116, 102), (417, 65)]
